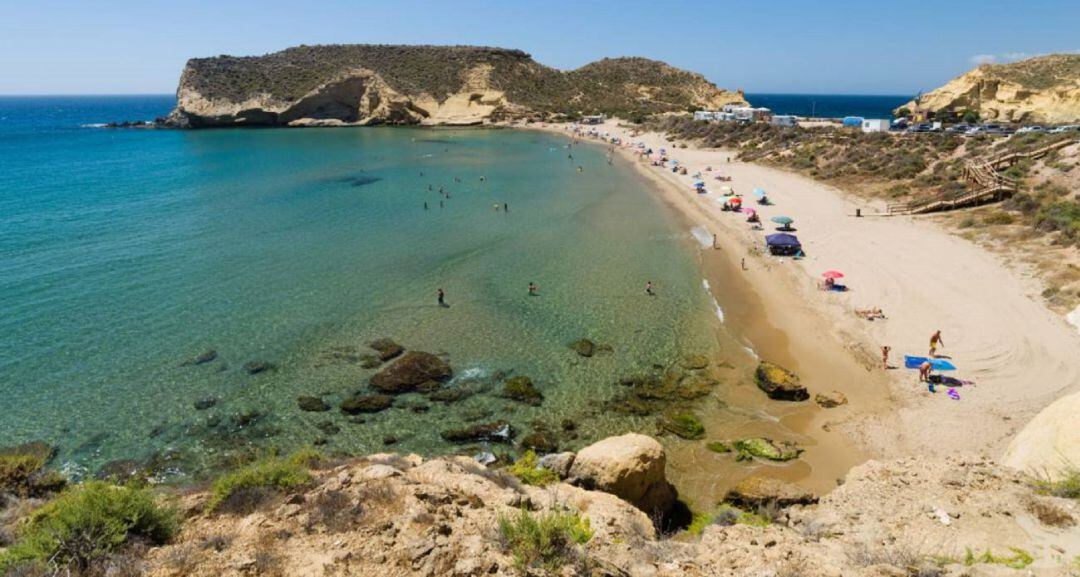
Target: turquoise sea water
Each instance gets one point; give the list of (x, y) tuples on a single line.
[(124, 253)]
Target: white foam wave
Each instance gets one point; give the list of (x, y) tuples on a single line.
[(1073, 318), (471, 373), (716, 305), (752, 352), (702, 235), (94, 125)]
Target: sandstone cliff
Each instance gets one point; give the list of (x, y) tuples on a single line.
[(372, 84), (1042, 89)]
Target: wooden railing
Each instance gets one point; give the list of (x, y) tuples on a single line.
[(988, 185)]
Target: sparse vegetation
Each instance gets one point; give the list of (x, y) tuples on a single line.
[(1018, 560), (89, 523), (528, 470), (728, 515), (245, 488), (1066, 485), (24, 474), (546, 541), (1049, 514)]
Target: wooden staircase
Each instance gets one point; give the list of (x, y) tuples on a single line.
[(986, 183)]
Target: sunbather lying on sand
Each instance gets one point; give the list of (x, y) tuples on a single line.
[(870, 314)]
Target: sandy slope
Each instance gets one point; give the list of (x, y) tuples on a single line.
[(1021, 356)]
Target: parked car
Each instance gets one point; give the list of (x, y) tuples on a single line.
[(959, 128), (1027, 129), (920, 128), (1066, 128)]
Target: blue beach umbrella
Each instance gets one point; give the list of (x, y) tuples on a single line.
[(784, 220), (759, 192), (912, 362)]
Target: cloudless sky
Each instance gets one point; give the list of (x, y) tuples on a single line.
[(823, 46)]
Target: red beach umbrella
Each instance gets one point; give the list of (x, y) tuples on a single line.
[(832, 274)]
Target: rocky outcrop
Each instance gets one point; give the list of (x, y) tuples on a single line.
[(343, 85), (631, 467), (1042, 89), (414, 370), (754, 492), (779, 383), (1050, 443)]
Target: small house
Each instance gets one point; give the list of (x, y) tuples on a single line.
[(784, 120), (593, 119), (706, 115), (875, 125)]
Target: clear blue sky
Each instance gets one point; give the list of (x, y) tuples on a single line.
[(837, 46)]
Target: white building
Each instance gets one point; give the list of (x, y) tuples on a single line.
[(784, 120), (706, 115), (594, 119), (875, 125)]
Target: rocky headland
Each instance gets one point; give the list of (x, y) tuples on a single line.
[(338, 85)]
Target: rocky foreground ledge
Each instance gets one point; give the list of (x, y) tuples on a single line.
[(390, 514)]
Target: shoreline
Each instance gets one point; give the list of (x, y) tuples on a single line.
[(1016, 350)]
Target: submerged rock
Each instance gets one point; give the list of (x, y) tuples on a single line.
[(38, 449), (522, 389), (540, 441), (370, 361), (584, 347), (630, 467), (755, 492), (410, 372), (498, 431), (205, 403), (451, 395), (683, 424), (202, 358), (719, 447), (328, 428), (312, 404), (256, 367), (386, 348), (763, 448), (779, 383), (366, 404), (831, 399)]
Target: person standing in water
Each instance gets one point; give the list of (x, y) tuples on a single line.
[(649, 289), (442, 297), (425, 205), (532, 289), (506, 207)]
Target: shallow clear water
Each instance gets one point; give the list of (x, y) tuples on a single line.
[(125, 252)]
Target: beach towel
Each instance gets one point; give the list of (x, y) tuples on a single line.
[(913, 362)]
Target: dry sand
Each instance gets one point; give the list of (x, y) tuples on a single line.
[(1020, 355)]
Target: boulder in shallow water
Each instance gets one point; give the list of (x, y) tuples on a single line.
[(630, 467), (584, 347), (410, 372), (451, 395), (830, 399), (366, 404), (497, 432), (205, 403), (523, 390), (312, 404), (763, 448), (202, 358), (386, 348), (779, 383), (682, 424), (256, 367), (755, 492)]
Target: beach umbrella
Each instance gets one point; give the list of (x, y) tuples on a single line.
[(832, 274), (784, 220), (759, 192), (735, 200), (699, 183)]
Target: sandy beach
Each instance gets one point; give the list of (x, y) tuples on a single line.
[(1020, 355)]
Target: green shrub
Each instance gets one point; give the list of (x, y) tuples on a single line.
[(528, 470), (1067, 485), (24, 474), (1063, 216), (726, 516), (89, 522), (998, 218), (546, 541), (250, 482), (1018, 560)]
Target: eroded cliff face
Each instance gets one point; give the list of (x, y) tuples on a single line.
[(1044, 89), (362, 85)]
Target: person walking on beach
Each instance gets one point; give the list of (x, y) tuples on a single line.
[(649, 289), (935, 341), (532, 289), (442, 297), (885, 356), (924, 373)]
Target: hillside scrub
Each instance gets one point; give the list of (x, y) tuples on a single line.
[(243, 489), (547, 541), (88, 523)]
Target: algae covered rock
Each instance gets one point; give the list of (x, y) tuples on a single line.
[(523, 390), (386, 348), (584, 347), (719, 447), (414, 370), (366, 404), (763, 448), (780, 383), (683, 424), (695, 362), (312, 404), (542, 442)]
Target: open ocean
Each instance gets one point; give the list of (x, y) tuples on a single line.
[(127, 252), (830, 105)]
